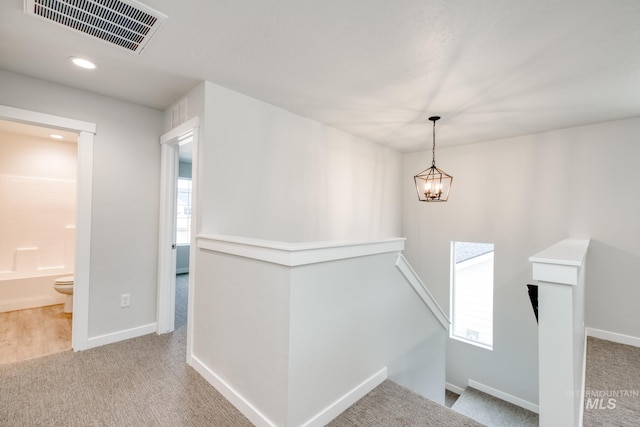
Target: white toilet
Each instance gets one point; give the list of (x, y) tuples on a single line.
[(64, 285)]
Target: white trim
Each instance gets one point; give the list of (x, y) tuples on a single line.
[(84, 197), (180, 130), (165, 316), (296, 254), (560, 263), (81, 285), (504, 396), (235, 398), (454, 388), (472, 342), (121, 335), (195, 228), (613, 336), (412, 277), (259, 419), (566, 252), (33, 117), (166, 236), (343, 403)]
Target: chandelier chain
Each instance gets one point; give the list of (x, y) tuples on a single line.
[(433, 150)]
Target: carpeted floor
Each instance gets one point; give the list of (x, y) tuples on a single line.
[(392, 405), (143, 381), (492, 411), (613, 372), (182, 291)]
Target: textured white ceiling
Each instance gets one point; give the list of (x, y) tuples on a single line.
[(375, 68)]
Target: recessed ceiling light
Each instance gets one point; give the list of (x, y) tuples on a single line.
[(83, 63), (55, 136)]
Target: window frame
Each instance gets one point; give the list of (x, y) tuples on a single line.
[(453, 311)]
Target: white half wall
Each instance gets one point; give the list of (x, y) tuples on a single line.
[(295, 340), (350, 318)]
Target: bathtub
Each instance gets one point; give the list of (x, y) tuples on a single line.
[(18, 292)]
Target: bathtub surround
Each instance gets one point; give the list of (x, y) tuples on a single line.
[(29, 292), (38, 192)]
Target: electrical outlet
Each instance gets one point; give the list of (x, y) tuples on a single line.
[(125, 300)]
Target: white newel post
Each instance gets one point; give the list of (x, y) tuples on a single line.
[(559, 271)]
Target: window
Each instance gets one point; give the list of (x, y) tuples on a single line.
[(183, 212), (472, 293)]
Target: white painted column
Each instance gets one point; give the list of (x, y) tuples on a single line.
[(559, 271)]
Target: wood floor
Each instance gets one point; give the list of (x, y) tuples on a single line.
[(25, 334)]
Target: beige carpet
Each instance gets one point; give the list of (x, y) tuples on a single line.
[(492, 411), (392, 405), (613, 372), (139, 382), (145, 382)]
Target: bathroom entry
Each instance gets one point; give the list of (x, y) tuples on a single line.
[(37, 223)]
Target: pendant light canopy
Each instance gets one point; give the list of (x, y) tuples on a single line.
[(433, 184)]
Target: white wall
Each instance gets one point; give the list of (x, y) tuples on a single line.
[(37, 192), (349, 319), (524, 194), (241, 328), (268, 173), (124, 232), (294, 333)]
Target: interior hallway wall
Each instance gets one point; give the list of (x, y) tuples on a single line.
[(270, 174), (126, 181), (525, 194)]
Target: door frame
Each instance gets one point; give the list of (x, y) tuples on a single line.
[(84, 196), (170, 143)]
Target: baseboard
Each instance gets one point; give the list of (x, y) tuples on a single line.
[(613, 336), (260, 420), (504, 396), (344, 402), (121, 335), (453, 388), (235, 398)]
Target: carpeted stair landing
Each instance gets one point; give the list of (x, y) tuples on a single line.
[(392, 405), (492, 411)]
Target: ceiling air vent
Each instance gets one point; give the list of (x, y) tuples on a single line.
[(124, 23)]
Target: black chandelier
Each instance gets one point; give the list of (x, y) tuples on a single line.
[(433, 184)]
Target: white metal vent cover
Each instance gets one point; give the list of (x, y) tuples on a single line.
[(124, 23)]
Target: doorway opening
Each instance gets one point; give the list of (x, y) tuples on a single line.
[(178, 228), (37, 225), (184, 196), (77, 258)]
